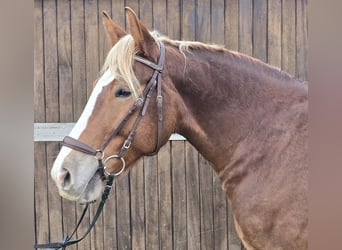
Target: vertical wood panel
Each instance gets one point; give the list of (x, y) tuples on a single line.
[(55, 204), (92, 26), (188, 20), (289, 37), (173, 19), (138, 205), (302, 39), (246, 27), (104, 46), (203, 31), (217, 22), (159, 16), (41, 194), (40, 175), (118, 12), (50, 61), (151, 202), (232, 24), (165, 202), (39, 100), (123, 221), (274, 33), (206, 203), (192, 198), (109, 227), (179, 195), (260, 30), (78, 58), (64, 60)]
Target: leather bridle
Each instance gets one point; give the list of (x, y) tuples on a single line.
[(142, 102)]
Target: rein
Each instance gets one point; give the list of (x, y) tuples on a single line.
[(141, 102)]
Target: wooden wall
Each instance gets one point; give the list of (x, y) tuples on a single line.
[(172, 200)]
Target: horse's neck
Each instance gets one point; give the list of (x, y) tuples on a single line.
[(226, 96)]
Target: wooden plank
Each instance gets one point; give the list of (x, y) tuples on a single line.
[(40, 173), (203, 31), (39, 88), (138, 205), (50, 61), (123, 221), (64, 61), (274, 33), (260, 30), (179, 195), (173, 19), (71, 210), (151, 202), (159, 16), (41, 194), (233, 240), (145, 12), (217, 22), (79, 90), (193, 198), (220, 215), (104, 45), (206, 203), (188, 21), (55, 204), (289, 36), (232, 24), (165, 197), (52, 113), (246, 27), (109, 226), (302, 40), (118, 12), (78, 58), (92, 27)]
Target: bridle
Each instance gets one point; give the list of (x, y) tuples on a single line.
[(142, 102)]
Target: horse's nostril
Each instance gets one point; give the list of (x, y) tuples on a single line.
[(65, 179)]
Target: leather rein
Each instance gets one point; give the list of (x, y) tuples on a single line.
[(142, 102)]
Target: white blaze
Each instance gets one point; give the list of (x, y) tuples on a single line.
[(81, 124)]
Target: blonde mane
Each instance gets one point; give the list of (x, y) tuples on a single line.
[(120, 58)]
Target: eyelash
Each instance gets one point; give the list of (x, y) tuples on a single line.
[(122, 93)]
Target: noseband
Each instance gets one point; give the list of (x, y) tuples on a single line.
[(142, 102)]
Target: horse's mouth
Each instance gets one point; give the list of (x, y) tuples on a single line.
[(89, 193)]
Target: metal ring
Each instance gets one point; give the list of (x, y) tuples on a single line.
[(99, 154), (115, 157)]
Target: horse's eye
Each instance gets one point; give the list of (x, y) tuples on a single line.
[(122, 93)]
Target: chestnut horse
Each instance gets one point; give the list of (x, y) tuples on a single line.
[(248, 119)]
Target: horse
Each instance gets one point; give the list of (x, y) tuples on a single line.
[(248, 119)]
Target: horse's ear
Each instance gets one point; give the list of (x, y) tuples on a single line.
[(113, 31), (144, 42)]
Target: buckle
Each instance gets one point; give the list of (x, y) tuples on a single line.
[(127, 144)]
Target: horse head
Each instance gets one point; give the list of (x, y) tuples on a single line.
[(118, 125)]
